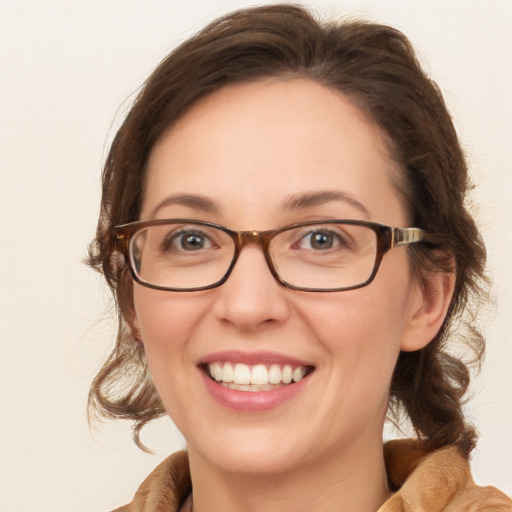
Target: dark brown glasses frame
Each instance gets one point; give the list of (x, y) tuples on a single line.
[(388, 237)]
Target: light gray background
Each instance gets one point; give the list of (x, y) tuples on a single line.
[(69, 69)]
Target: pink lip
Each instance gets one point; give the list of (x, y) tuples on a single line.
[(252, 401), (252, 358)]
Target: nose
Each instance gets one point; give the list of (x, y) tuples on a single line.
[(251, 297)]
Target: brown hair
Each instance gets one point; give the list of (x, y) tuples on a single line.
[(376, 67)]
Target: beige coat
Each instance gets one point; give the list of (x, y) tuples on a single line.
[(436, 482)]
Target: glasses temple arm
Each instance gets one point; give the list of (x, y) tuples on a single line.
[(405, 236)]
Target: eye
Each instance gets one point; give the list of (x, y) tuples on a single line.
[(320, 240), (187, 240)]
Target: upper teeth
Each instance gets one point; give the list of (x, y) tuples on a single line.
[(259, 374)]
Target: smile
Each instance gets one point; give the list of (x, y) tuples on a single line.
[(259, 377)]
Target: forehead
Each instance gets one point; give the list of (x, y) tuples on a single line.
[(251, 146)]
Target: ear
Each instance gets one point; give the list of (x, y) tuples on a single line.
[(429, 303)]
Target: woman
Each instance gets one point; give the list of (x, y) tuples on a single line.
[(283, 228)]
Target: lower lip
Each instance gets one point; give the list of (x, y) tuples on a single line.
[(252, 401)]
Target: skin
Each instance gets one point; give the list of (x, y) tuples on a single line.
[(248, 148)]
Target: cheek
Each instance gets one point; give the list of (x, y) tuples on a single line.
[(164, 318), (358, 337), (167, 322), (360, 332), (357, 319)]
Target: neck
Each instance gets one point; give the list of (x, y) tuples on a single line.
[(354, 481)]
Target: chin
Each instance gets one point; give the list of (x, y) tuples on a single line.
[(253, 453)]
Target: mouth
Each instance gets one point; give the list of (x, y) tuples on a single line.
[(255, 377)]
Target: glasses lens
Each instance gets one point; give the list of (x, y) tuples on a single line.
[(325, 256), (181, 255)]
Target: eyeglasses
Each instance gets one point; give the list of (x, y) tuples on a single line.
[(316, 256)]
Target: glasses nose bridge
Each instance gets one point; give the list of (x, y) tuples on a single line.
[(260, 238)]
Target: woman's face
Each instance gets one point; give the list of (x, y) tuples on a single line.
[(246, 155)]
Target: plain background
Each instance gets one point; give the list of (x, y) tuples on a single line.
[(69, 70)]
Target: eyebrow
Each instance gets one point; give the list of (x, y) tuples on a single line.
[(294, 202), (196, 202), (310, 199)]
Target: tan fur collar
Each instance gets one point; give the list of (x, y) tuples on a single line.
[(439, 481), (424, 482)]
